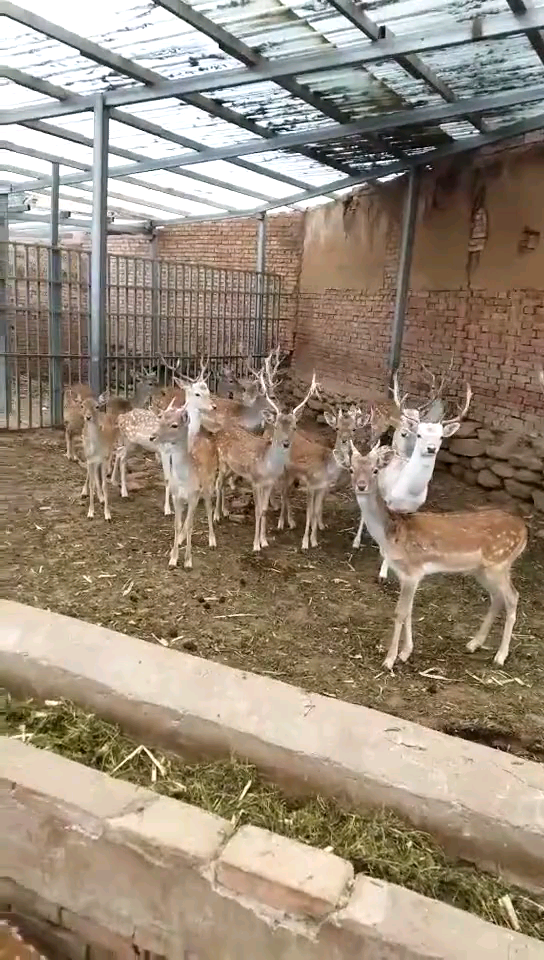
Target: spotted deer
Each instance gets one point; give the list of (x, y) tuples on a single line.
[(316, 468), (99, 439), (193, 471), (74, 395), (259, 460), (484, 543)]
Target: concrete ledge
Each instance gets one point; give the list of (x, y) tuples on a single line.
[(482, 804), (134, 876)]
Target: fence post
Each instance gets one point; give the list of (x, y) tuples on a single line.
[(403, 273), (155, 320), (261, 267), (5, 399), (99, 250), (55, 305)]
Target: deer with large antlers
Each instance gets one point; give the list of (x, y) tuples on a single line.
[(404, 481), (315, 467), (484, 543), (259, 460)]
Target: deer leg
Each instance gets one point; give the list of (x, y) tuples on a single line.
[(384, 569), (510, 598), (496, 597), (123, 468), (321, 525), (358, 535), (285, 506), (85, 487), (104, 471), (115, 471), (309, 513), (265, 495), (219, 495), (189, 521), (212, 542), (92, 481), (403, 612), (407, 642), (319, 497), (166, 472), (257, 497), (178, 523)]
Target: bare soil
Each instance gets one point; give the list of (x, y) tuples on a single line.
[(318, 620)]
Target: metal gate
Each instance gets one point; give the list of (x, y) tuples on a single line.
[(154, 309)]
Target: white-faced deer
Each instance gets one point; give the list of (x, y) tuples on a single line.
[(193, 470), (484, 543), (99, 439), (316, 468), (259, 460), (404, 481)]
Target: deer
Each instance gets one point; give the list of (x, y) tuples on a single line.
[(74, 396), (484, 543), (316, 468), (193, 469), (404, 480), (258, 460), (99, 439), (146, 382), (136, 428)]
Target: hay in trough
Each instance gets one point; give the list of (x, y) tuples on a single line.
[(377, 843)]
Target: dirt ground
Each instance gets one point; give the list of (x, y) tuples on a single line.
[(318, 620)]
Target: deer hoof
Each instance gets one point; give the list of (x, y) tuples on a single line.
[(389, 663), (90, 515), (107, 516), (404, 655), (499, 659), (188, 564), (173, 562), (472, 646)]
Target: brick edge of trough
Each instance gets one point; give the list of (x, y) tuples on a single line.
[(481, 804), (156, 874)]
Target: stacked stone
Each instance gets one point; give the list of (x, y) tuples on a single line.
[(507, 464)]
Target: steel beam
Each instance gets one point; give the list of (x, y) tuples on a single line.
[(535, 37), (261, 269), (236, 48), (404, 268), (144, 228), (145, 126), (492, 27), (55, 308), (99, 236), (411, 63), (391, 121), (137, 72), (5, 392)]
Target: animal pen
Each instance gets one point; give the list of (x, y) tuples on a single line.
[(156, 311), (172, 115)]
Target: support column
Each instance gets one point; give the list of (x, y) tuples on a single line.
[(261, 268), (5, 404), (55, 308), (404, 268), (99, 238), (155, 280)]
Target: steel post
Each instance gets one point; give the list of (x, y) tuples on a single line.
[(99, 236), (260, 267), (5, 397), (55, 308), (403, 274)]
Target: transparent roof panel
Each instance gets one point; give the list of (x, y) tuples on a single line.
[(155, 44)]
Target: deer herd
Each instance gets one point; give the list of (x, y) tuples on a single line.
[(205, 441)]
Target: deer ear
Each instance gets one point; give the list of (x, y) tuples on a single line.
[(330, 418), (342, 457), (450, 428)]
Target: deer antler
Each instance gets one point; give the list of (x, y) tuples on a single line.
[(260, 377), (464, 410), (170, 366), (314, 387), (399, 402)]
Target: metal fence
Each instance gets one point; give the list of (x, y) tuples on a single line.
[(155, 309)]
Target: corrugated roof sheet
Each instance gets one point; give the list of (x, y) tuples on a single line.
[(153, 38)]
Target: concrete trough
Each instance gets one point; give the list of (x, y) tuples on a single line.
[(482, 805), (129, 871)]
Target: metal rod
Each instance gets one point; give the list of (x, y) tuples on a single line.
[(55, 308), (260, 267), (403, 274), (99, 235), (493, 26), (5, 401)]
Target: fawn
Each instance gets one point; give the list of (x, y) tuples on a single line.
[(99, 439)]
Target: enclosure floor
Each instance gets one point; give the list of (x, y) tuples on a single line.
[(317, 620)]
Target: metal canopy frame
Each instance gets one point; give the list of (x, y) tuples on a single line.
[(327, 142), (339, 143)]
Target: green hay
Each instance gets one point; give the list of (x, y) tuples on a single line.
[(376, 843)]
